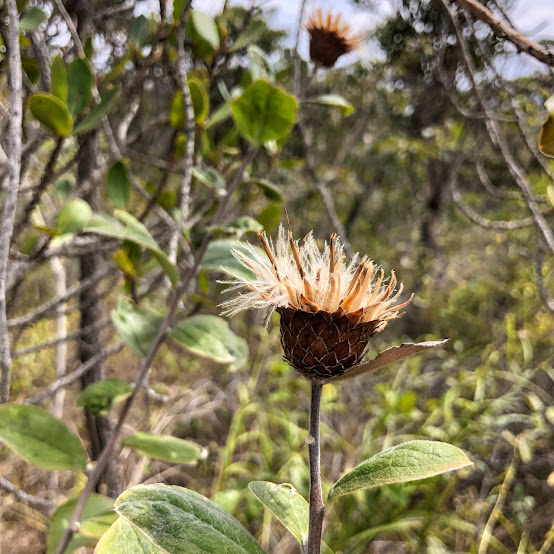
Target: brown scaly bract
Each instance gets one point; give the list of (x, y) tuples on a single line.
[(330, 38), (329, 309)]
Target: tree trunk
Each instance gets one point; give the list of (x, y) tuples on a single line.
[(92, 340)]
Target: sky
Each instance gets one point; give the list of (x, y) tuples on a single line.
[(534, 18)]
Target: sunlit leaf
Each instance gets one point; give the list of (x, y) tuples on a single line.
[(546, 136), (284, 502), (52, 113), (58, 78), (203, 34), (124, 538), (264, 112), (209, 336), (73, 216), (181, 521), (410, 461), (333, 101), (164, 447), (131, 229), (219, 257), (96, 505), (96, 526), (40, 438), (138, 327)]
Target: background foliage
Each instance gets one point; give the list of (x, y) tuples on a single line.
[(122, 186)]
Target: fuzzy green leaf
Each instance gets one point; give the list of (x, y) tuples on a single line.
[(289, 507), (40, 438), (209, 336), (410, 461), (124, 538), (138, 327), (181, 521), (164, 447)]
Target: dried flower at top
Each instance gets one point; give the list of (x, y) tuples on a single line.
[(330, 38), (329, 308)]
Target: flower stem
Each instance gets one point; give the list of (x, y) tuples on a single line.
[(317, 508)]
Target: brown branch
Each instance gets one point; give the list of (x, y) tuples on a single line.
[(505, 31)]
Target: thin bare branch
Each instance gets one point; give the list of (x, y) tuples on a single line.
[(505, 31), (10, 200), (498, 140), (33, 501), (74, 376), (184, 200)]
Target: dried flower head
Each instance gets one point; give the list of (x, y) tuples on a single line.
[(330, 38), (329, 308)]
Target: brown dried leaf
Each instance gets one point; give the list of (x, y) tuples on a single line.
[(389, 356)]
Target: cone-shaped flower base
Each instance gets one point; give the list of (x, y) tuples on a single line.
[(322, 345)]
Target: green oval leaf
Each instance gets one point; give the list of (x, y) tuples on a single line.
[(164, 447), (31, 19), (51, 112), (210, 177), (138, 327), (219, 257), (96, 526), (333, 101), (181, 521), (118, 183), (264, 112), (406, 462), (123, 538), (94, 117), (80, 81), (99, 397), (200, 99), (289, 507), (40, 438), (140, 30), (73, 216), (31, 66), (209, 336), (58, 78), (96, 505), (134, 231), (203, 34)]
